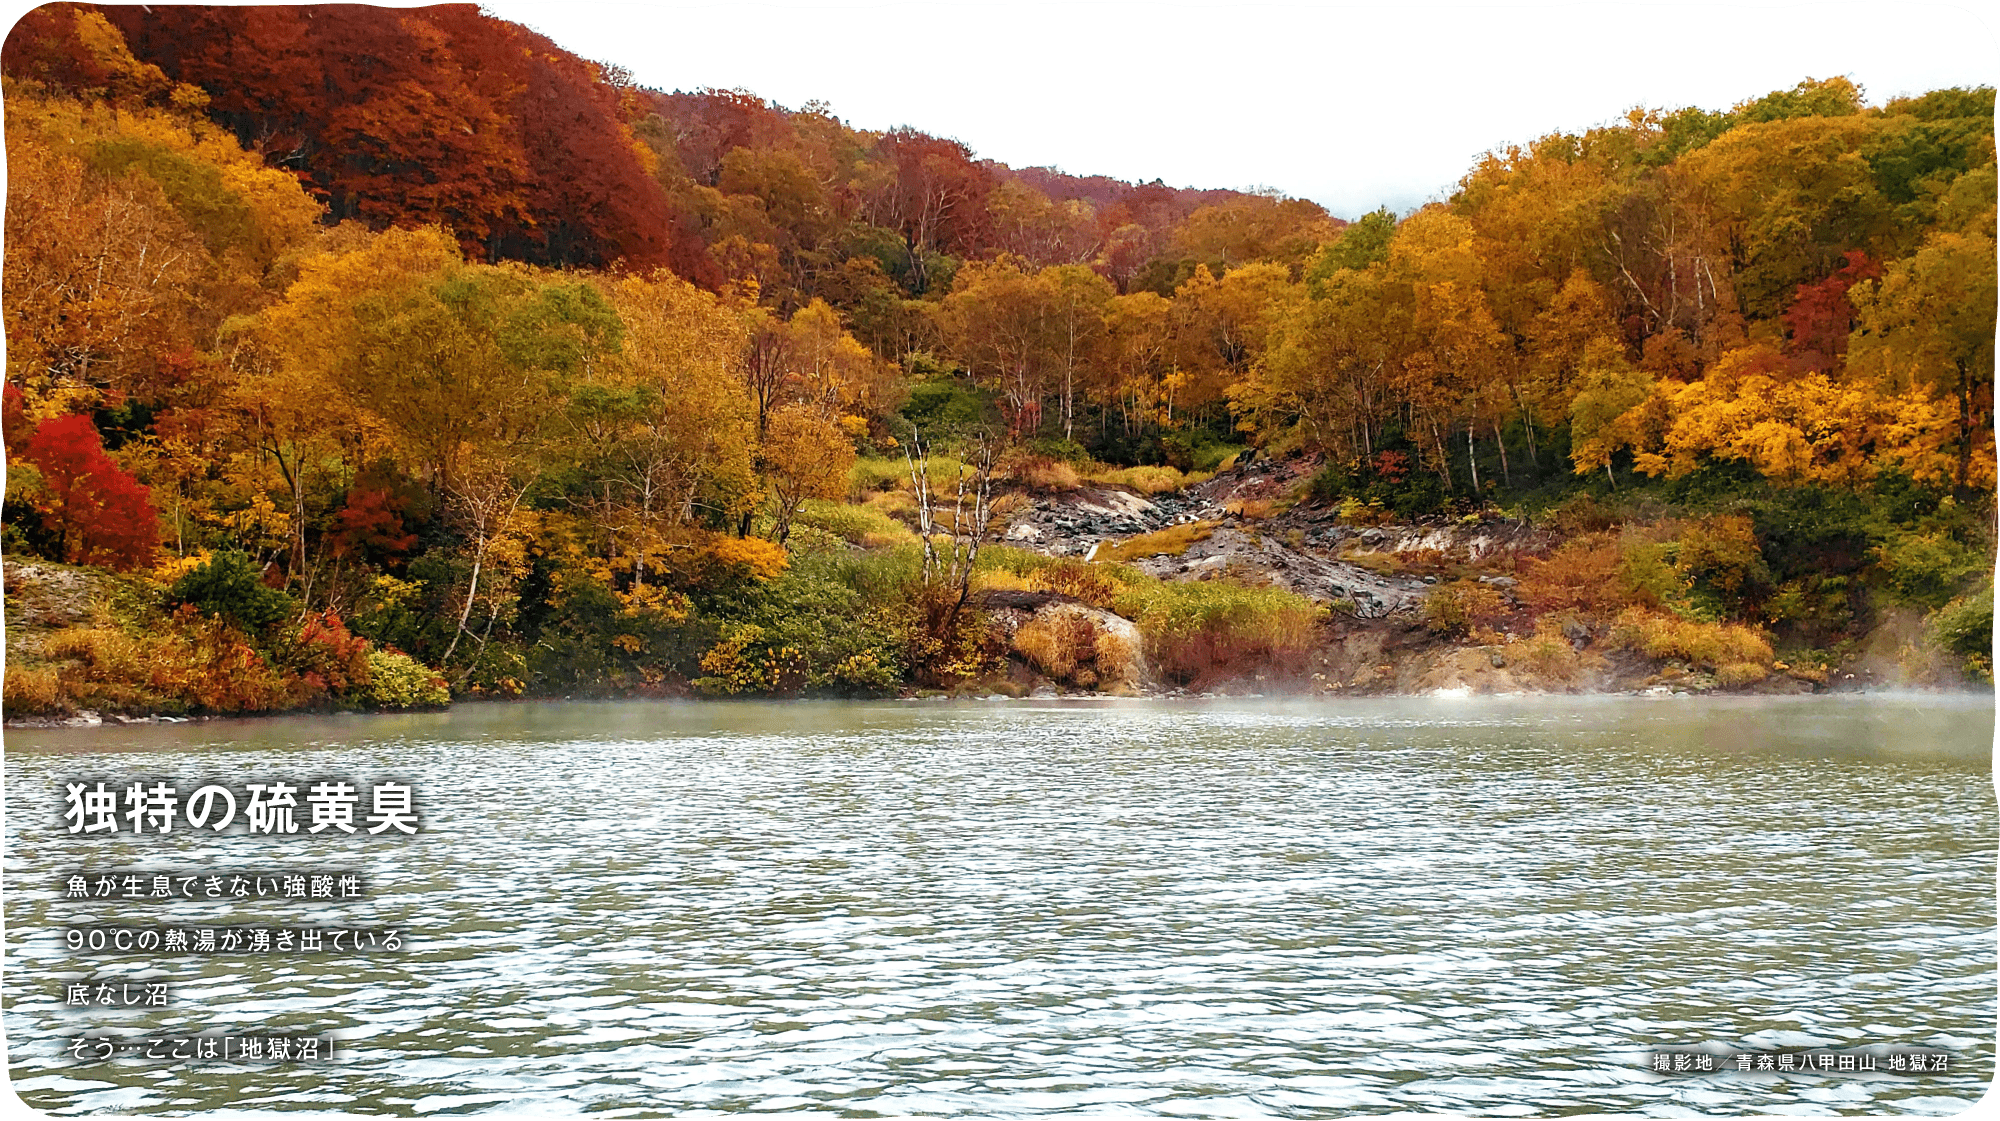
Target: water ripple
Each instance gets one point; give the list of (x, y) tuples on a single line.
[(1252, 910)]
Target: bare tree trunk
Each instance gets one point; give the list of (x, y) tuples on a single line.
[(1964, 425), (487, 519), (471, 593), (1444, 457), (1471, 457), (969, 528)]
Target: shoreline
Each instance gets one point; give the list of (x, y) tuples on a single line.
[(114, 719)]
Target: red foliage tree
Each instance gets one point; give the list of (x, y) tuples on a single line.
[(591, 201), (437, 114), (100, 514), (1821, 316), (937, 198), (53, 45), (708, 124), (328, 658), (371, 519)]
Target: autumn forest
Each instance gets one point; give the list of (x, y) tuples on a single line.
[(373, 358)]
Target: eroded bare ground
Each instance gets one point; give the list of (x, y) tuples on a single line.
[(1070, 523), (1368, 572), (1248, 524)]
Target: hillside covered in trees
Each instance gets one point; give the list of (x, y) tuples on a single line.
[(368, 357)]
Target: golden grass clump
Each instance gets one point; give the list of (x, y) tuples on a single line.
[(1040, 472), (103, 651), (1116, 658), (1151, 480), (1740, 650), (1170, 542), (899, 505), (1547, 653), (1251, 509), (1201, 632), (1073, 647), (1736, 674), (1058, 643), (33, 691), (1078, 580), (1580, 576), (1002, 580), (1455, 607)]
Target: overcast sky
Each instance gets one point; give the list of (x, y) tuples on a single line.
[(1353, 106)]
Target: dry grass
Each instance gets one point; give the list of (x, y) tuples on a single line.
[(1062, 645), (1040, 472), (34, 691), (1089, 583), (1455, 607), (1206, 631), (1582, 575), (1253, 509), (1075, 648), (1169, 542), (1150, 480), (869, 525), (1093, 584), (1001, 580), (1547, 653), (871, 475), (1736, 674), (899, 505), (1734, 651), (1388, 562)]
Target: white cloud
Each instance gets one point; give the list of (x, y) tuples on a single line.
[(1349, 105)]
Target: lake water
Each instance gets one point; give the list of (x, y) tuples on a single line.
[(1231, 909)]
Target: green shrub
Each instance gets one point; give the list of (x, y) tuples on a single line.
[(1198, 450), (396, 680), (1815, 605), (830, 623), (227, 586), (944, 407), (1926, 569), (1646, 575), (1965, 627), (1721, 553)]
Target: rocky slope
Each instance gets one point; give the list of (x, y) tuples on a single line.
[(1247, 524), (1367, 572)]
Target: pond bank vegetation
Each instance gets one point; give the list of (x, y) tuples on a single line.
[(575, 388)]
